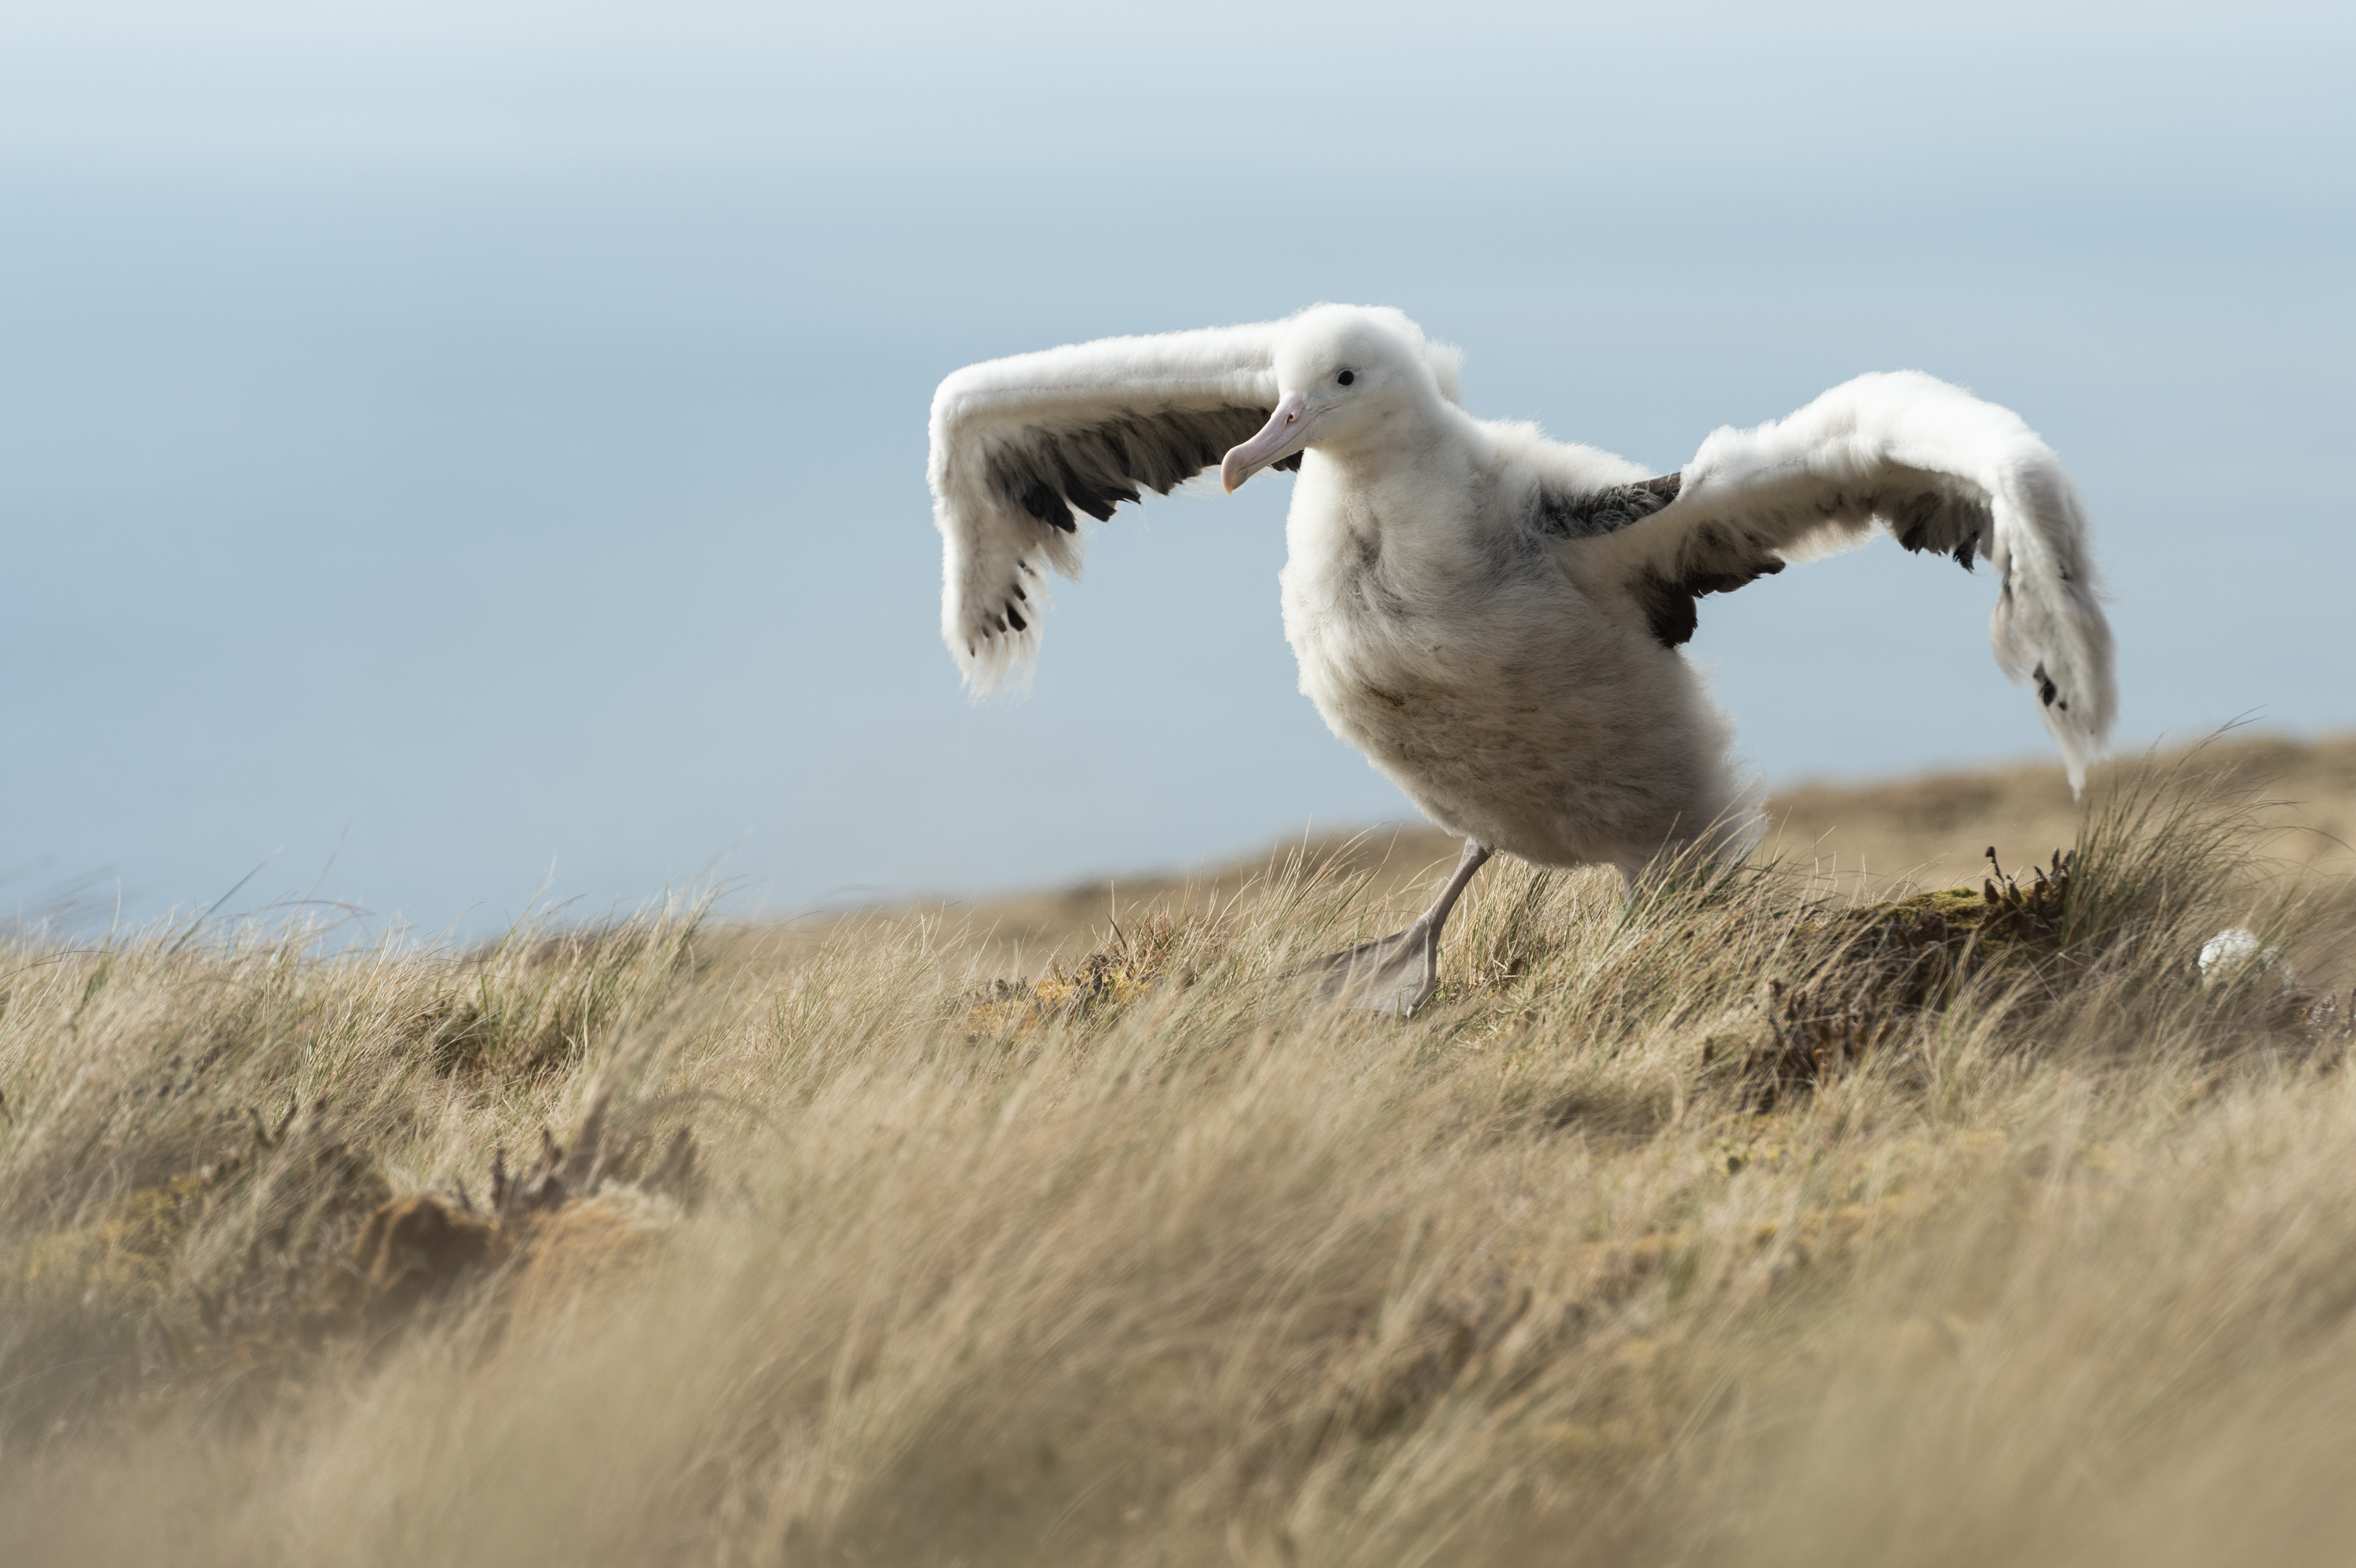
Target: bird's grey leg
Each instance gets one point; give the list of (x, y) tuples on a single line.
[(1399, 974)]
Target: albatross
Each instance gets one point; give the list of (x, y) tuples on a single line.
[(1495, 618)]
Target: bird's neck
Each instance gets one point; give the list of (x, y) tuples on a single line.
[(1413, 443), (1399, 491)]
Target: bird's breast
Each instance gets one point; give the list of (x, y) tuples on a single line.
[(1386, 657), (1411, 612)]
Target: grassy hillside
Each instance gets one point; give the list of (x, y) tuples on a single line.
[(1863, 841), (1753, 1221)]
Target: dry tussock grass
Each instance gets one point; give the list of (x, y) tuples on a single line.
[(1986, 1233), (1863, 842)]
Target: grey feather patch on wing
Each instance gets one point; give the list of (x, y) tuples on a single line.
[(1713, 557), (1048, 472), (1566, 514), (1714, 560), (1925, 511)]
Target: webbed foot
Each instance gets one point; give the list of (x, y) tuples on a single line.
[(1395, 975)]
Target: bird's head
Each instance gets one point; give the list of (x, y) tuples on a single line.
[(1345, 375)]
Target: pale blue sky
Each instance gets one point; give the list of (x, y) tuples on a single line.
[(448, 450)]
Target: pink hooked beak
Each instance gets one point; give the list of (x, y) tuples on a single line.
[(1286, 433)]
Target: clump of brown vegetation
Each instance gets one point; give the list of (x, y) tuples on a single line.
[(568, 1218), (1741, 1221), (1117, 972)]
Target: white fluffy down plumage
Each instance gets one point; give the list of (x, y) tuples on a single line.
[(1495, 618)]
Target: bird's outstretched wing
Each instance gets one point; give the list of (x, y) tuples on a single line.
[(1936, 467), (1019, 444)]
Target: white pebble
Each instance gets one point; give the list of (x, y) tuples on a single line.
[(2229, 954)]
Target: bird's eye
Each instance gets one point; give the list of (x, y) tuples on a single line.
[(1347, 377)]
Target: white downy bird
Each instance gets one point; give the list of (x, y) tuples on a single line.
[(1494, 618)]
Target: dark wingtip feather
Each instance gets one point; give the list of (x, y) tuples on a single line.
[(1048, 507)]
